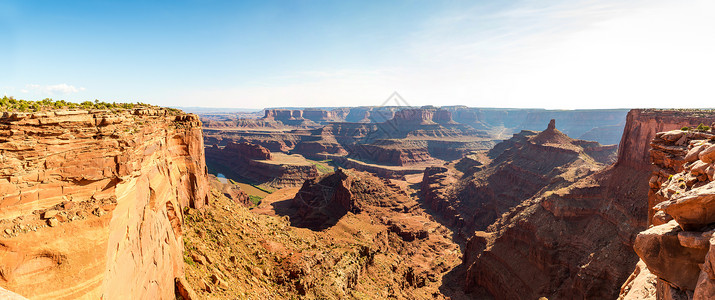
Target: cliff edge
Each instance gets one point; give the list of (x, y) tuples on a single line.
[(91, 201)]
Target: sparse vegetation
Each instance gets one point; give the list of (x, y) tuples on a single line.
[(255, 199), (10, 104), (188, 259), (322, 166), (702, 128)]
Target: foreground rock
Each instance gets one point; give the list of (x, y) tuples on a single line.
[(91, 202), (680, 249)]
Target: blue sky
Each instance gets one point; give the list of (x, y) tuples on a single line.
[(254, 54)]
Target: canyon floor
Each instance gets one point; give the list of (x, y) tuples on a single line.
[(391, 249)]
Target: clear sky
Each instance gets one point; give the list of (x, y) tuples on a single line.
[(255, 54)]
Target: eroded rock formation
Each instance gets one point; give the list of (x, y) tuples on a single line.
[(91, 202), (324, 201)]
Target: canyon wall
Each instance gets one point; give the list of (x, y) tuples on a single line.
[(91, 202)]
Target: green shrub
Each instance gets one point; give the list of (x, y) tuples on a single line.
[(188, 260), (255, 199), (12, 104)]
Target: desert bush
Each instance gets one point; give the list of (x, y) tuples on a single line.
[(12, 104)]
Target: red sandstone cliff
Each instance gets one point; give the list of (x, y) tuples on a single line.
[(92, 202)]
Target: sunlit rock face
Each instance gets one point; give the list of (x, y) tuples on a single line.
[(91, 202)]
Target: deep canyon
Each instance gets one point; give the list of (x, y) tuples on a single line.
[(358, 203)]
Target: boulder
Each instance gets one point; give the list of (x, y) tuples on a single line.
[(707, 155), (660, 248), (183, 289), (692, 209), (695, 152), (672, 136)]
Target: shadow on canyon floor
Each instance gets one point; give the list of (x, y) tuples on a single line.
[(287, 208)]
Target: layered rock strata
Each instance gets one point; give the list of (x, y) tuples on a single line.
[(91, 202)]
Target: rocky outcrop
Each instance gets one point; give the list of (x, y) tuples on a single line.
[(436, 186), (319, 150), (92, 202), (320, 115), (643, 124), (679, 248), (417, 116), (324, 201)]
